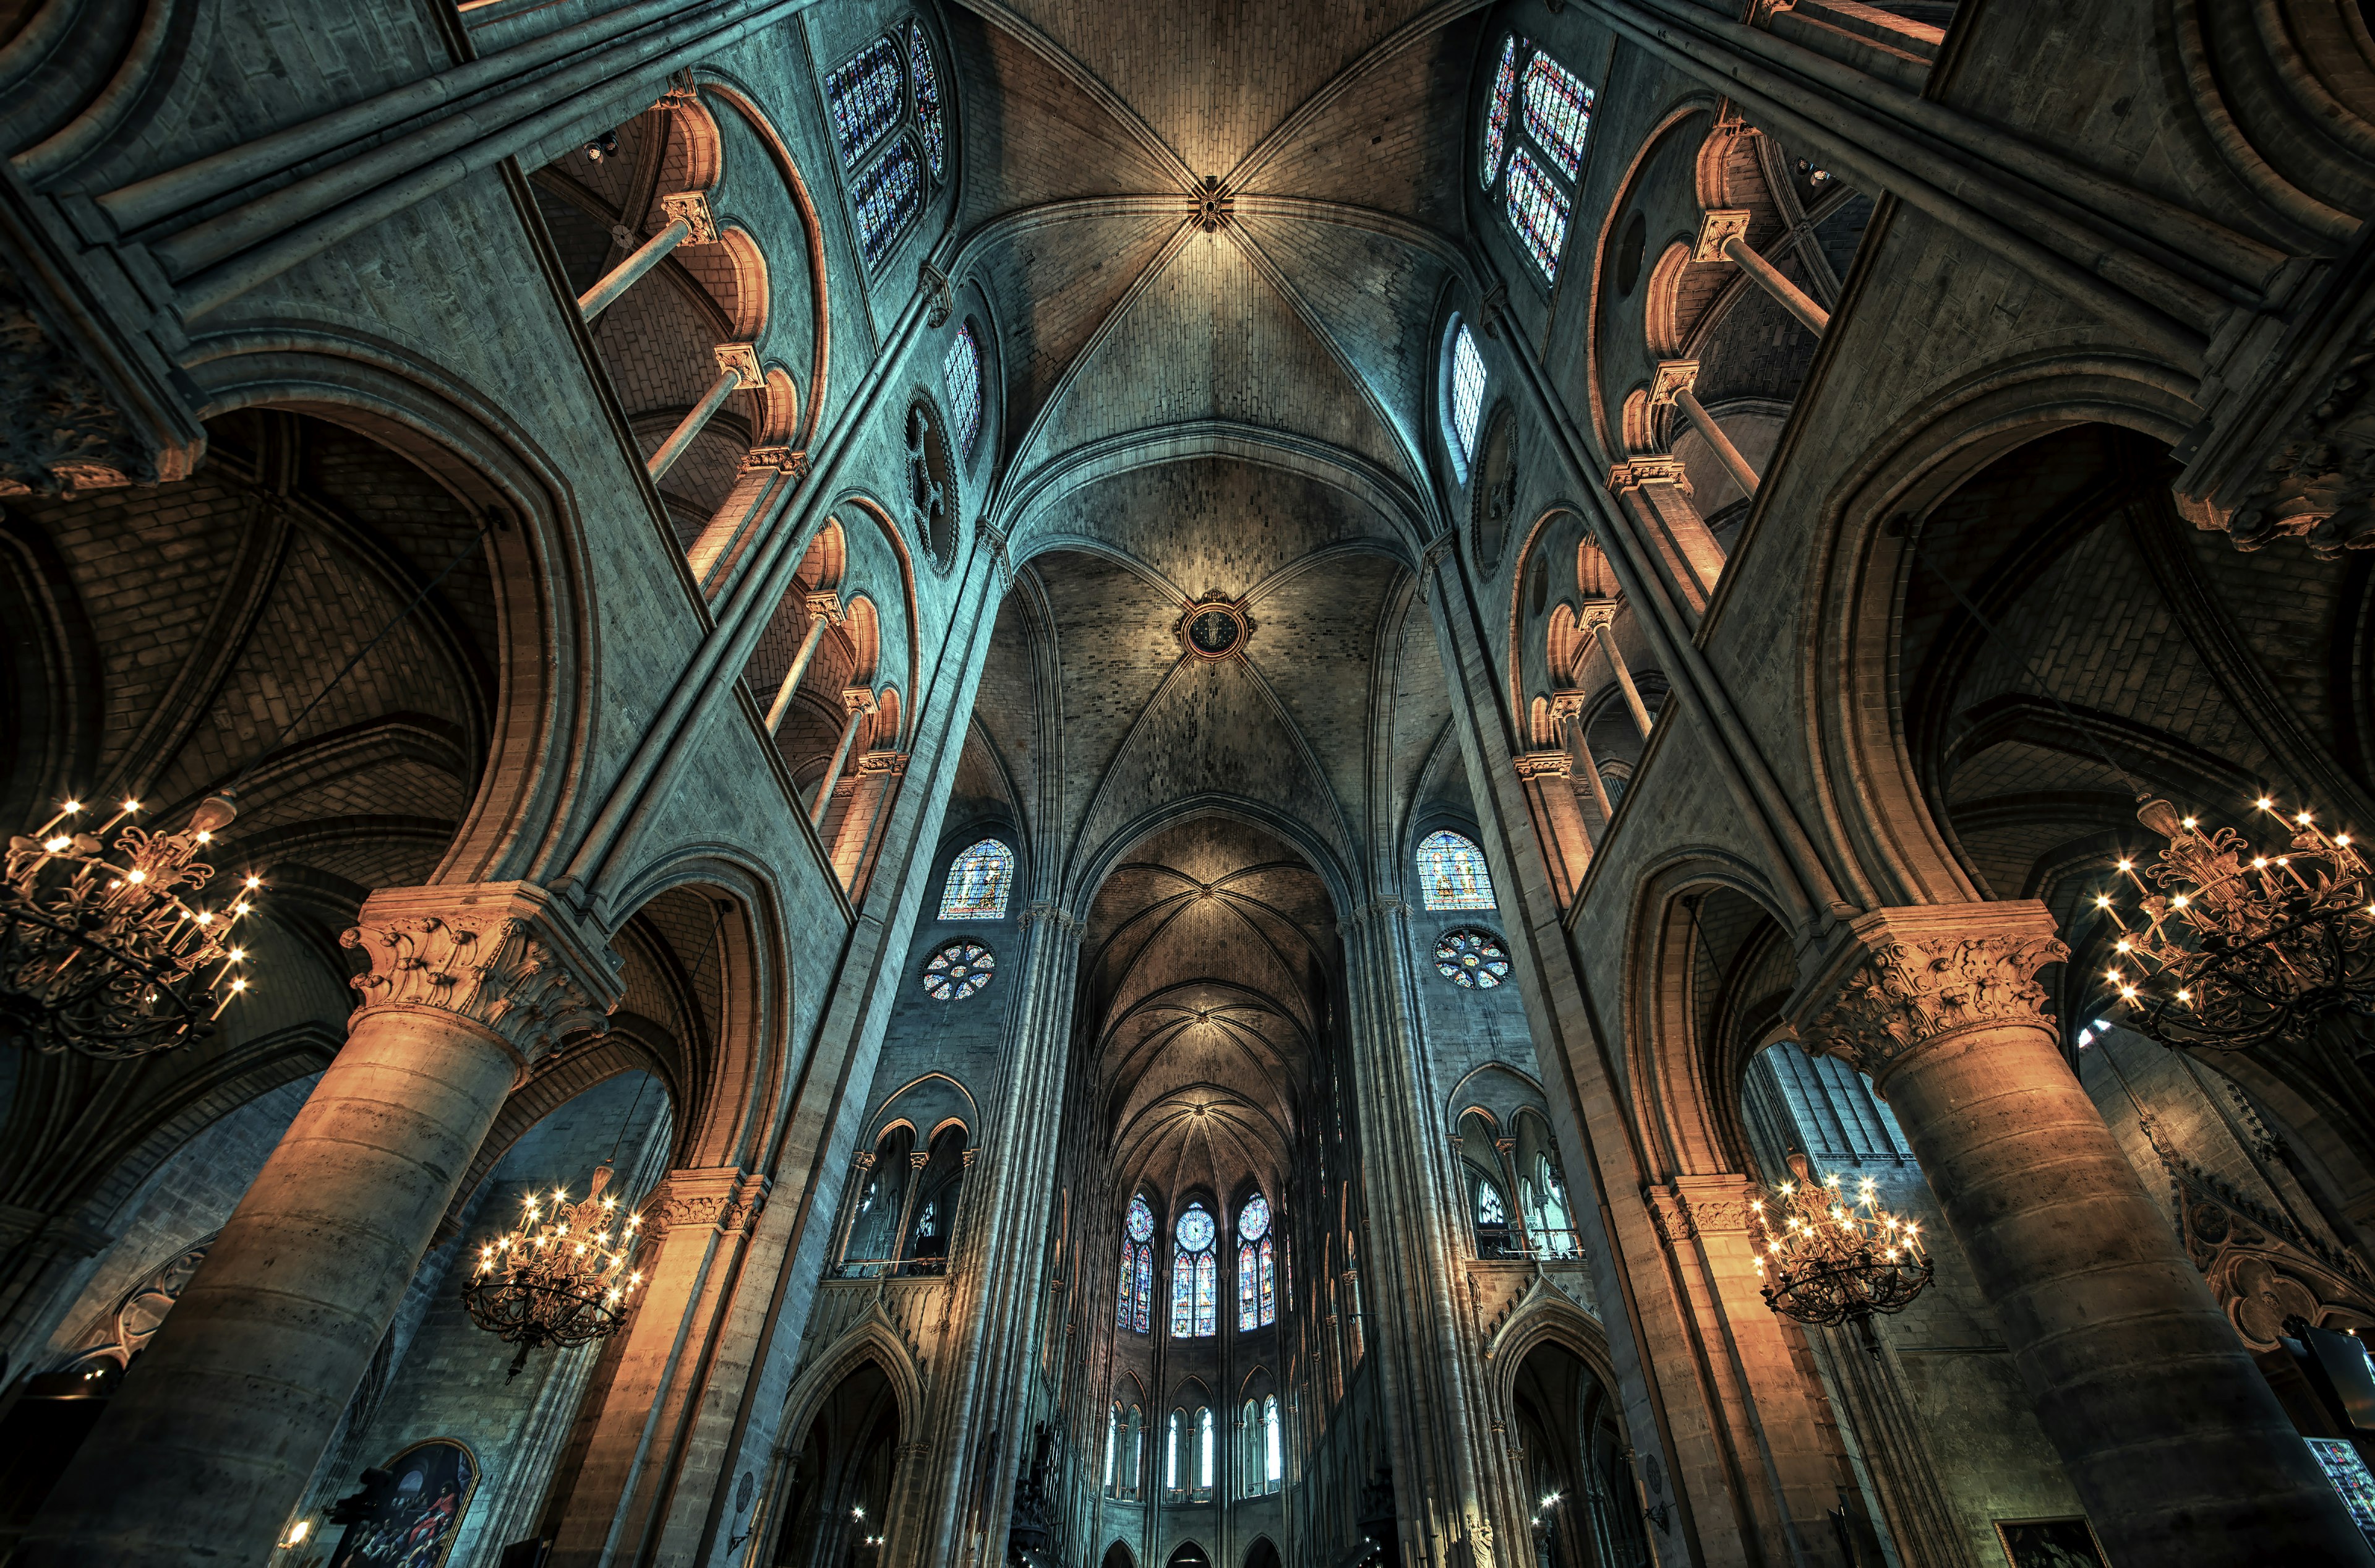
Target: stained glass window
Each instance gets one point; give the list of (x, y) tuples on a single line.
[(1141, 1221), (1257, 1292), (1452, 873), (862, 94), (928, 115), (1195, 1276), (1472, 960), (1129, 1274), (888, 195), (1496, 113), (1558, 112), (960, 378), (958, 971), (1467, 391), (1539, 208), (1489, 1207), (977, 883), (1141, 1310)]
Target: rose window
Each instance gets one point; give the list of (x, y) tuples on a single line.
[(958, 971), (1471, 958)]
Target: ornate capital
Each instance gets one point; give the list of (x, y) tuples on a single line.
[(1717, 226), (1035, 913), (1697, 1207), (724, 1197), (783, 459), (500, 954), (1596, 614), (825, 607), (1636, 472), (864, 1159), (1568, 704), (933, 283), (918, 1158), (857, 700), (1534, 765), (891, 763), (741, 361), (1930, 971), (692, 207), (1674, 377)]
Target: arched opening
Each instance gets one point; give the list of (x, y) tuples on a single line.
[(837, 1506)]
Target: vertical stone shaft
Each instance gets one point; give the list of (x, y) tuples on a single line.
[(204, 1452), (2172, 1437), (860, 703), (1603, 622), (1727, 454), (820, 616)]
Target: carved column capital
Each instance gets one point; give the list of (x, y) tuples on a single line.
[(825, 607), (1597, 614), (857, 700), (741, 361), (502, 955), (864, 1159), (1569, 703), (725, 1197), (1531, 765), (783, 459), (934, 285), (1674, 378), (1715, 226), (1925, 971), (891, 763), (1653, 469), (692, 208)]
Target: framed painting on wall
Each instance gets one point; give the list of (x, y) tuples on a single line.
[(2050, 1543), (418, 1507)]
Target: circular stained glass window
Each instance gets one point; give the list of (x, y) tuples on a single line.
[(958, 971), (1141, 1220), (1252, 1220), (1473, 959), (1195, 1229)]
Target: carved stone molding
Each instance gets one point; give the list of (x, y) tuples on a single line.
[(1531, 765), (500, 954), (1717, 226), (693, 206), (1674, 378), (891, 763), (1930, 971), (1047, 913), (783, 459), (933, 283), (1636, 472), (724, 1197), (743, 360), (1697, 1207), (62, 429)]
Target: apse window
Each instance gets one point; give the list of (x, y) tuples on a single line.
[(1467, 401), (1257, 1267), (1541, 114), (1195, 1276), (1137, 1267), (1472, 960), (960, 380), (978, 879), (958, 971), (1452, 873)]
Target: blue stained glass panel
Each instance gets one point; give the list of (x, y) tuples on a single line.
[(1252, 1220), (1269, 1282), (1452, 873), (977, 882), (961, 376), (930, 119), (1183, 1290), (1207, 1290), (1248, 1284), (1141, 1221), (888, 195), (1538, 211), (1142, 1310), (1496, 112), (1121, 1313), (862, 94), (1558, 112), (1466, 390)]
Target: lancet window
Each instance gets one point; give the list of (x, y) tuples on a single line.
[(931, 120), (977, 884), (1452, 873), (1137, 1268), (1466, 393), (890, 86), (1195, 1276), (960, 380), (1257, 1267)]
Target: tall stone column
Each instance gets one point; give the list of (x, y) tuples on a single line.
[(1659, 493), (1429, 1369), (2174, 1441), (209, 1443), (634, 1432), (1558, 818)]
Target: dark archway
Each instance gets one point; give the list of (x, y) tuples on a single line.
[(840, 1502), (1190, 1555), (1118, 1556), (1262, 1554)]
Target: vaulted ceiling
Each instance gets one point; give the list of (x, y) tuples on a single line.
[(1208, 403)]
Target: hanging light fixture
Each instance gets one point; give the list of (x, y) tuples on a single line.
[(108, 949), (1827, 1259), (2234, 945), (564, 1275)]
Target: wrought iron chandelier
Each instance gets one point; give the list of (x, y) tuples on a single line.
[(115, 956), (1827, 1260), (563, 1276), (2234, 945)]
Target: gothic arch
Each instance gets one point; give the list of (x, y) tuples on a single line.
[(1865, 779)]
